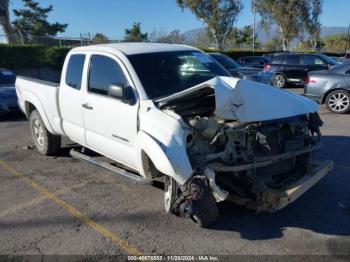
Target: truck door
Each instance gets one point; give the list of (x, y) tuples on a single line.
[(70, 96), (110, 123)]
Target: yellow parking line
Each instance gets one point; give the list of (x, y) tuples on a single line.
[(37, 200), (122, 244)]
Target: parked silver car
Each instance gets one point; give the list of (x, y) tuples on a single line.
[(330, 87)]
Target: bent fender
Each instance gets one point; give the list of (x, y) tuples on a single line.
[(159, 158)]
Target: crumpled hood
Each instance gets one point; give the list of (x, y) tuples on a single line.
[(248, 101)]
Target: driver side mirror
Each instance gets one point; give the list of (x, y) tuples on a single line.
[(116, 91), (125, 94)]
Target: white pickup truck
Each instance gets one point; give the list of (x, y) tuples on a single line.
[(171, 112)]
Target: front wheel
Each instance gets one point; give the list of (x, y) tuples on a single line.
[(170, 193), (279, 81), (206, 212), (338, 102), (45, 142)]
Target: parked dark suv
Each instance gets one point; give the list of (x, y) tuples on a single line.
[(293, 68), (253, 61)]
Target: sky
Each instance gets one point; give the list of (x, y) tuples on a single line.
[(111, 17)]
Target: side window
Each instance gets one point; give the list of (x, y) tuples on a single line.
[(312, 60), (104, 72), (74, 71), (278, 60), (249, 61), (292, 60), (261, 61), (347, 72), (319, 61)]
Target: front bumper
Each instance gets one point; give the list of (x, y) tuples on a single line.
[(276, 200)]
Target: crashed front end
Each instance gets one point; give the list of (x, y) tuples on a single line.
[(254, 156), (259, 165)]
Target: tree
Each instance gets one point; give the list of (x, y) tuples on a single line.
[(242, 37), (335, 43), (100, 38), (313, 25), (134, 34), (174, 37), (203, 38), (273, 44), (245, 36), (32, 21), (290, 16), (5, 22), (218, 16), (232, 39)]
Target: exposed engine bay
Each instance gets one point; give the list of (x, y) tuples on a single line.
[(251, 158), (253, 163), (245, 149)]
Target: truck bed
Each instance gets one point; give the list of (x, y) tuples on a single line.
[(43, 95)]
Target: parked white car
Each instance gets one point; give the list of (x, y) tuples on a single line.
[(171, 112)]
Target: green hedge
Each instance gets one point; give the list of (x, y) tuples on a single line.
[(34, 56), (55, 56), (31, 56)]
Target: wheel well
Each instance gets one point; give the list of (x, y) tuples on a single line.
[(330, 91), (148, 166), (280, 73), (29, 108)]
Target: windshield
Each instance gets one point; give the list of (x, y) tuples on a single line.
[(328, 59), (166, 73), (225, 61)]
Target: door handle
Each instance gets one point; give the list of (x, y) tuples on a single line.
[(87, 106)]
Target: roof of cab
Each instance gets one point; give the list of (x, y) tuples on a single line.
[(135, 48)]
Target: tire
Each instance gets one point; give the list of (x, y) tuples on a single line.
[(279, 81), (338, 102), (206, 212), (170, 193), (45, 142)]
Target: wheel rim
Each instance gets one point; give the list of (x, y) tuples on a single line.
[(338, 102), (278, 81), (167, 193), (38, 132)]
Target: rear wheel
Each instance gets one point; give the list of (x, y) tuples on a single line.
[(279, 81), (338, 101), (45, 142)]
